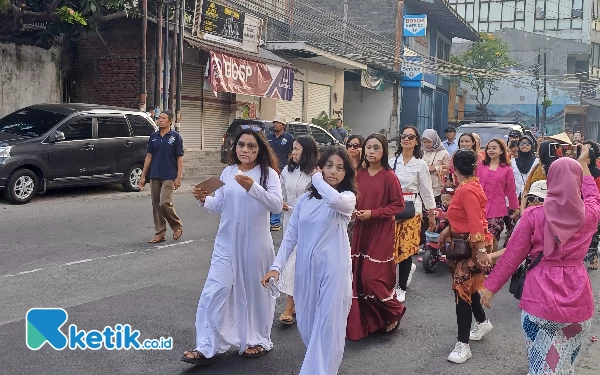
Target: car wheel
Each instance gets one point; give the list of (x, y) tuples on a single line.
[(22, 186), (132, 178)]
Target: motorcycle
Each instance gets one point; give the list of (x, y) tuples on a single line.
[(434, 254)]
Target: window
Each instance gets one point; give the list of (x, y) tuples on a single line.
[(464, 8), (112, 127), (78, 130), (30, 122), (320, 136), (443, 49), (140, 127), (558, 15), (425, 110)]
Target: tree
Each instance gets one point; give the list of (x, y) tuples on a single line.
[(488, 55)]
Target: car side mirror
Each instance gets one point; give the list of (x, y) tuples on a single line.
[(57, 137)]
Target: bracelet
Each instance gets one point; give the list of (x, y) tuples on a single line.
[(483, 250)]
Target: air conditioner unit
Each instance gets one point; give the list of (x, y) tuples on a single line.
[(576, 13)]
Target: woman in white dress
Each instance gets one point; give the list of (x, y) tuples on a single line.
[(295, 179), (323, 283), (234, 310)]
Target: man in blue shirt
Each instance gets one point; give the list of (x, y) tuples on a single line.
[(451, 143), (164, 158), (282, 143), (339, 132)]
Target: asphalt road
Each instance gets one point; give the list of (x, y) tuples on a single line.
[(86, 250)]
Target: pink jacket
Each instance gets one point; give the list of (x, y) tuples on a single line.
[(557, 289), (498, 185)]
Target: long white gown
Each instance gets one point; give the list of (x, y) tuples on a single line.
[(293, 185), (234, 308), (323, 283)]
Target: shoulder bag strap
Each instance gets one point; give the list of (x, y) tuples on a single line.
[(396, 163), (536, 261)]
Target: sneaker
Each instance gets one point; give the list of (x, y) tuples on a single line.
[(461, 353), (413, 268), (480, 329), (275, 227), (400, 295)]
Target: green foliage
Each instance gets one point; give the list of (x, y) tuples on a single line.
[(3, 4), (67, 14), (489, 54), (547, 102), (327, 123)]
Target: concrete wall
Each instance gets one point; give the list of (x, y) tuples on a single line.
[(28, 75), (367, 111)]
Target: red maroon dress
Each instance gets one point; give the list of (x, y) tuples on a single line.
[(374, 303)]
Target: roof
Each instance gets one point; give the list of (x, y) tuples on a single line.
[(448, 22), (69, 108), (306, 51), (263, 55)]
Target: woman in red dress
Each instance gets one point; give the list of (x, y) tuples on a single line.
[(374, 304)]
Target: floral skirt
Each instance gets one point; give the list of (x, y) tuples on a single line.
[(593, 252), (407, 238), (552, 347), (496, 226)]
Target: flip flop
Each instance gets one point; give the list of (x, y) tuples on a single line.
[(287, 320), (158, 240), (175, 237), (261, 353), (392, 330), (198, 359)]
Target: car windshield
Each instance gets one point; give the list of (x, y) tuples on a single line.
[(486, 134), (237, 123), (30, 122)]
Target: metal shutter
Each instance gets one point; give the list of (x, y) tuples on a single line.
[(319, 100), (191, 107), (215, 118), (293, 108)]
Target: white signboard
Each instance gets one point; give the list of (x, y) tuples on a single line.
[(252, 26), (412, 71), (415, 25)]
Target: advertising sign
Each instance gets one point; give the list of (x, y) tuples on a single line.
[(412, 71), (415, 25)]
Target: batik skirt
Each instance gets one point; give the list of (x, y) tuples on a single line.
[(407, 238), (593, 252), (552, 347), (496, 227)]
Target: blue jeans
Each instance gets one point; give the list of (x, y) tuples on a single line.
[(275, 219)]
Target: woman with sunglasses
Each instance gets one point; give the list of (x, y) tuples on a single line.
[(295, 179), (354, 147), (415, 179), (234, 309)]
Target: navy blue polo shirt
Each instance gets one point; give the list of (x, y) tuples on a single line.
[(165, 151), (282, 146)]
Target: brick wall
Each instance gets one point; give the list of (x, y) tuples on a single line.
[(105, 68)]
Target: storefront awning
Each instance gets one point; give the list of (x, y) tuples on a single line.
[(303, 50), (445, 18), (263, 55)]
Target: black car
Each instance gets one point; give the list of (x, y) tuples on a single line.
[(49, 146), (324, 138)]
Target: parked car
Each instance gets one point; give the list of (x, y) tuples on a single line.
[(488, 130), (50, 146), (324, 138)]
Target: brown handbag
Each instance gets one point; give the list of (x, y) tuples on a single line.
[(459, 248)]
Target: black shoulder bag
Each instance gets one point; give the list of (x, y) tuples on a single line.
[(517, 281), (409, 206)]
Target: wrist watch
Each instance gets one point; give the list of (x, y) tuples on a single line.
[(483, 250)]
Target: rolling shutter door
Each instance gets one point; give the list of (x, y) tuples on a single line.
[(293, 108), (319, 100), (215, 118), (191, 107)]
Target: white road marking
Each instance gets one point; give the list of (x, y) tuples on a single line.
[(104, 257)]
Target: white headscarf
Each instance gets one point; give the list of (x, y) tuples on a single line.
[(433, 136)]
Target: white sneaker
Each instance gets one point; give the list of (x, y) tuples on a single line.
[(480, 330), (400, 295), (461, 353), (413, 268)]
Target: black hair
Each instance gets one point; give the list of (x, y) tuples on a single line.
[(417, 152), (349, 181), (385, 163), (465, 161), (266, 156), (470, 135), (503, 157), (513, 144), (578, 131), (169, 114), (309, 157), (360, 138)]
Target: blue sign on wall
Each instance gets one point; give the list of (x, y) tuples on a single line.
[(412, 69), (417, 84), (415, 25)]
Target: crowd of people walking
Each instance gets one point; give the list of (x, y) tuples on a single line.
[(355, 216)]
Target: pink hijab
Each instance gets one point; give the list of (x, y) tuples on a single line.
[(563, 207)]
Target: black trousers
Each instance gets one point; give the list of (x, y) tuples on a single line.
[(403, 272), (465, 313)]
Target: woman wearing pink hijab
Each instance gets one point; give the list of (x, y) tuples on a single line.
[(557, 300)]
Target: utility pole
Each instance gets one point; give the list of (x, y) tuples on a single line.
[(545, 93), (144, 56), (158, 66), (173, 79), (537, 96), (394, 120), (166, 56), (180, 64)]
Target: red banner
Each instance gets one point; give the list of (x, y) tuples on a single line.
[(239, 76)]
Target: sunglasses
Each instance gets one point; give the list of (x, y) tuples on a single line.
[(524, 144), (410, 137), (253, 127), (355, 146), (534, 199)]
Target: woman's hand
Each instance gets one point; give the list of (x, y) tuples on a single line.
[(245, 181), (285, 206), (483, 259), (444, 237), (265, 280), (444, 170), (486, 298), (516, 214), (584, 159), (432, 168), (363, 214), (200, 194), (315, 171)]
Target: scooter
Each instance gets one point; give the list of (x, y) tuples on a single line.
[(434, 254)]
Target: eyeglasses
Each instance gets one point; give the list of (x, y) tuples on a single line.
[(253, 127), (355, 146), (535, 199), (251, 146), (410, 137), (524, 144)]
